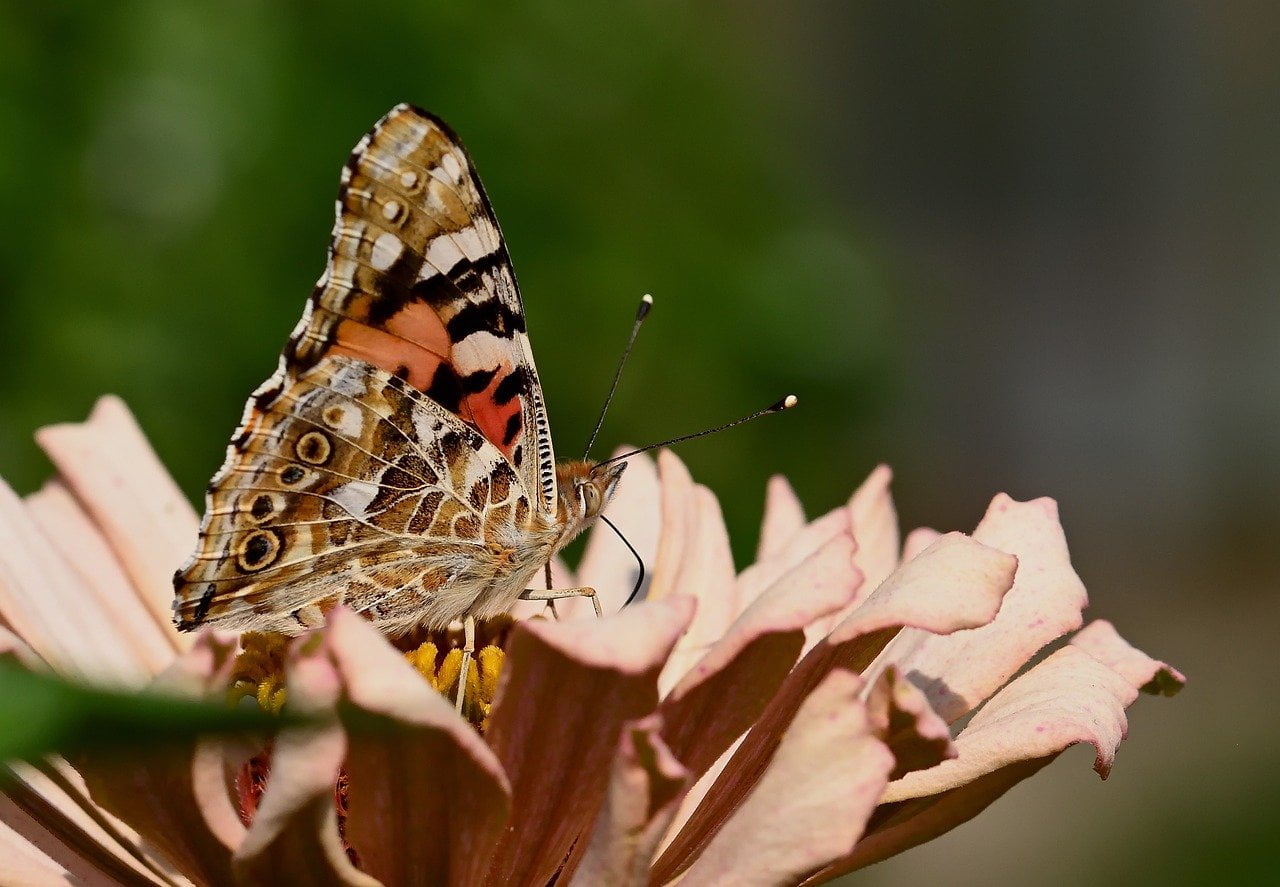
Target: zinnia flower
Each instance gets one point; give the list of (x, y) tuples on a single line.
[(782, 725)]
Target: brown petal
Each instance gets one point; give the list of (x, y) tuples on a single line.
[(110, 592), (567, 690), (45, 603), (108, 464), (783, 517), (1101, 641), (809, 807), (645, 787), (693, 559), (1068, 698), (956, 584), (903, 720), (959, 671), (294, 836), (22, 863), (176, 798), (607, 565), (428, 799), (726, 691)]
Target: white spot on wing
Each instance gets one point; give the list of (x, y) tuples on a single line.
[(444, 253), (355, 496), (386, 249)]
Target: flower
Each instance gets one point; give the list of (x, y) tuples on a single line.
[(782, 725)]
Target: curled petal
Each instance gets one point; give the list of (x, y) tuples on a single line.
[(875, 526), (956, 584), (903, 720), (1101, 641), (783, 517), (567, 690), (607, 565), (108, 464), (763, 573), (294, 836), (427, 799), (730, 686), (646, 784), (1068, 698), (917, 541), (959, 671), (809, 807)]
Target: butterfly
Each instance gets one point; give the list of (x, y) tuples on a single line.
[(399, 461)]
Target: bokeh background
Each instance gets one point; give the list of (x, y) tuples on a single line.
[(1029, 247)]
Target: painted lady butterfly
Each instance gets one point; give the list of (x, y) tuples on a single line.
[(399, 461)]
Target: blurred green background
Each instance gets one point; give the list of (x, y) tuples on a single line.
[(1028, 247)]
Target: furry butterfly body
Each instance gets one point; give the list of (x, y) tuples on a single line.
[(399, 461)]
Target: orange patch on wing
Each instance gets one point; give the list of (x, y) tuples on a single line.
[(413, 338), (493, 418)]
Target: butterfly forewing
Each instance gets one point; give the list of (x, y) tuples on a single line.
[(399, 460)]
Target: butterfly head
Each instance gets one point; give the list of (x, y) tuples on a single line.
[(585, 489)]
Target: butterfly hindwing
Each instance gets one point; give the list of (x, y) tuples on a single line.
[(350, 487)]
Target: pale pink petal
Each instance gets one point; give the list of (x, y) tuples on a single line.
[(176, 798), (645, 787), (875, 527), (756, 578), (918, 540), (1101, 641), (783, 517), (108, 464), (428, 799), (703, 568), (1068, 698), (65, 524), (22, 864), (723, 694), (956, 584), (607, 565), (55, 814), (294, 836), (903, 721), (14, 649), (44, 602), (809, 807), (567, 690), (959, 671), (874, 523)]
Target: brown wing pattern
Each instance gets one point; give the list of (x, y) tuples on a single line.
[(352, 487), (419, 283)]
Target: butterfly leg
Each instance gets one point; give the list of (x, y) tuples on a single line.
[(555, 594), (468, 647)]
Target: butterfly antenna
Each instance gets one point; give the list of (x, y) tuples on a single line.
[(639, 560), (785, 404), (646, 302)]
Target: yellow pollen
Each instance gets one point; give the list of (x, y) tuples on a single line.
[(442, 674), (259, 671)]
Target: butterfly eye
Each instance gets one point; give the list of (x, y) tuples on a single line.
[(590, 498)]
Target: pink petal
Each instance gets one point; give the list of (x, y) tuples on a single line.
[(917, 541), (959, 671), (567, 690), (294, 836), (115, 474), (756, 578), (693, 559), (13, 649), (44, 602), (809, 807), (22, 863), (175, 798), (783, 517), (607, 565), (65, 524), (49, 807), (956, 584), (729, 687), (1101, 641), (875, 526), (1068, 698), (645, 787), (903, 720), (428, 800)]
